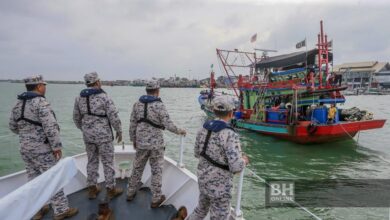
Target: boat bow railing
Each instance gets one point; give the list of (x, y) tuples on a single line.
[(180, 163)]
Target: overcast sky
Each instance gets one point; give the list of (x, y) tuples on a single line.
[(159, 38)]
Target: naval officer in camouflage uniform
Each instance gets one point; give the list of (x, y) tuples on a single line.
[(218, 148), (94, 113), (39, 135), (148, 118)]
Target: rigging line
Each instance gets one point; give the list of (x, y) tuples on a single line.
[(357, 139), (382, 158), (71, 142), (219, 65), (7, 135), (346, 131), (229, 66), (299, 205), (242, 59), (190, 119), (234, 61), (312, 110)]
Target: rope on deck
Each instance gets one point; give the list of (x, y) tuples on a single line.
[(299, 205)]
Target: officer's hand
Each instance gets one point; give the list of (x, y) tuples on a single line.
[(246, 159), (182, 132), (57, 154), (119, 137)]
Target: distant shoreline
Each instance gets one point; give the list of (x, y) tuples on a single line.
[(171, 82), (105, 83)]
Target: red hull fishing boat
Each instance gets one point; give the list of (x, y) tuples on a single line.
[(292, 96)]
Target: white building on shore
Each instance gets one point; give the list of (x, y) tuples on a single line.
[(365, 75)]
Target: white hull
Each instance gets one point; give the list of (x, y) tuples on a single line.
[(178, 184)]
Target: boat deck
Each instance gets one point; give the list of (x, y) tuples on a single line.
[(139, 208)]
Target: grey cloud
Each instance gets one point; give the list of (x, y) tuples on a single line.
[(145, 38)]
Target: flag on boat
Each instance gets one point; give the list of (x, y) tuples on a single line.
[(301, 44), (254, 38), (330, 43), (212, 65)]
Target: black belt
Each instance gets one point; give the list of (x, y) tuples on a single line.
[(22, 118), (146, 120), (208, 158), (100, 116)]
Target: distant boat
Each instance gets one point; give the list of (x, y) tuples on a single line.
[(281, 98)]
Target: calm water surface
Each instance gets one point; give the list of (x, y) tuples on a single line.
[(365, 157)]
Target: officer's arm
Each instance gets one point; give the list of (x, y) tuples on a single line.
[(133, 124), (13, 125), (77, 114), (113, 115), (50, 125), (233, 152), (198, 147), (166, 120)]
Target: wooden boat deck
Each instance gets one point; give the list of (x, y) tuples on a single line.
[(139, 208)]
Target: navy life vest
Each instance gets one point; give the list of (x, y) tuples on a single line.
[(214, 126), (149, 99), (92, 91), (87, 93), (27, 96)]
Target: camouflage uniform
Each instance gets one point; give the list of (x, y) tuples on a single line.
[(97, 132), (149, 141), (215, 183), (37, 142)]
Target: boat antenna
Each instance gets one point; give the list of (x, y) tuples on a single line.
[(264, 52)]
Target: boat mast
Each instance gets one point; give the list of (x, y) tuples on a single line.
[(212, 82), (323, 54)]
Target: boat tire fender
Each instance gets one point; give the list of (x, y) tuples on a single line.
[(312, 129)]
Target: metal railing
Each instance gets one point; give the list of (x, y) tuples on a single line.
[(180, 163), (237, 211)]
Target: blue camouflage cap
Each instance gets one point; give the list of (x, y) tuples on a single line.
[(34, 80), (90, 78), (223, 103), (153, 85)]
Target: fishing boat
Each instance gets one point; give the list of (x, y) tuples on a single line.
[(20, 199), (288, 96)]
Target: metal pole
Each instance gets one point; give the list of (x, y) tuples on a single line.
[(296, 105), (306, 53), (237, 211), (369, 81), (181, 164)]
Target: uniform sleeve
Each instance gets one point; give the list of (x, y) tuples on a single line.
[(113, 115), (13, 125), (50, 125), (198, 148), (133, 124), (233, 153), (166, 120), (77, 114)]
